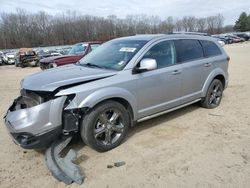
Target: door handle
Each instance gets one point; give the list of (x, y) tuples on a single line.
[(175, 72), (207, 64)]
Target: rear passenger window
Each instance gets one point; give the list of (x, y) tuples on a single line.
[(188, 50), (210, 48)]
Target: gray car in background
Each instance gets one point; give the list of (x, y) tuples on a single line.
[(124, 81)]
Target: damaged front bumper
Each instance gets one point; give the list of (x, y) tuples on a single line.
[(37, 126)]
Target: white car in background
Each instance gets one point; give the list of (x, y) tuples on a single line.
[(222, 43), (3, 58), (10, 58)]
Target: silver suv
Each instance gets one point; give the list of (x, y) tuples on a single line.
[(124, 81)]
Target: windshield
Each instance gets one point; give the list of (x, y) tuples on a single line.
[(113, 54), (78, 49)]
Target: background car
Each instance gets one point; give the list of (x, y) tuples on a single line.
[(26, 57), (10, 57), (1, 57), (77, 52), (240, 39), (233, 38), (225, 39), (47, 53), (64, 51), (243, 35), (221, 42)]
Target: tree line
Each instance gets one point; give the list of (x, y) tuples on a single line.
[(243, 23), (22, 29)]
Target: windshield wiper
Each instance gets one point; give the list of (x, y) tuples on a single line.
[(93, 65)]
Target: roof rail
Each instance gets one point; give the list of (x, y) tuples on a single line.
[(190, 33)]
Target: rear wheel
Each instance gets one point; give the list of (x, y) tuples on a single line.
[(214, 95), (105, 126)]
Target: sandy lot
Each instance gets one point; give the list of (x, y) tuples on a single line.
[(192, 147)]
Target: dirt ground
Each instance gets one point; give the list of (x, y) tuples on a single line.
[(191, 147)]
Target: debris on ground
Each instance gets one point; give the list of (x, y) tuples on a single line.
[(110, 166), (215, 115), (63, 169), (118, 164)]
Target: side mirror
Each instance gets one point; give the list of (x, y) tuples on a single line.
[(146, 64)]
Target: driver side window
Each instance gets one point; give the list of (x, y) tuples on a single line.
[(163, 53)]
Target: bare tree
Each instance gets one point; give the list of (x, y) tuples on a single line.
[(22, 29), (215, 24), (201, 24)]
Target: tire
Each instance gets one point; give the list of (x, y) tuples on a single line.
[(105, 126), (214, 95)]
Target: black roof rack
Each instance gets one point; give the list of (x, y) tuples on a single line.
[(190, 33)]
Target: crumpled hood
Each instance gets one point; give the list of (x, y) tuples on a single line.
[(52, 79)]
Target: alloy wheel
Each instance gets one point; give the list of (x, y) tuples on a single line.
[(109, 127)]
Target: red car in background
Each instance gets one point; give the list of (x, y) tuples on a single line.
[(77, 52)]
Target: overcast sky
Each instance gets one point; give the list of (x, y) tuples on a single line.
[(230, 9)]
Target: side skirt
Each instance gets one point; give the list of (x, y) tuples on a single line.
[(167, 111)]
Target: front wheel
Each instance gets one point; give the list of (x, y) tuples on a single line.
[(214, 95), (105, 126)]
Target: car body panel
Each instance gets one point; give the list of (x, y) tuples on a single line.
[(66, 75), (38, 119)]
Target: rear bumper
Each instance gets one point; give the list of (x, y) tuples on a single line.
[(37, 126)]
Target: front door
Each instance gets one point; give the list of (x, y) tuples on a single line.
[(159, 89)]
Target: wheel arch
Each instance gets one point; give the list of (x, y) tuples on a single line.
[(216, 74), (125, 103), (221, 78), (120, 95)]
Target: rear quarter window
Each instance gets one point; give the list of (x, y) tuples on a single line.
[(188, 50), (210, 48)]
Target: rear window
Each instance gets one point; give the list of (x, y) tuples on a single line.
[(188, 50), (210, 48)]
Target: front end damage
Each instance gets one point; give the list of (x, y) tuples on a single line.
[(39, 120), (33, 121)]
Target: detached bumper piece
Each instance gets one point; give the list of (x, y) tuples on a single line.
[(63, 169)]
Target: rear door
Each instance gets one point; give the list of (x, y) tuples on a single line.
[(195, 68)]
